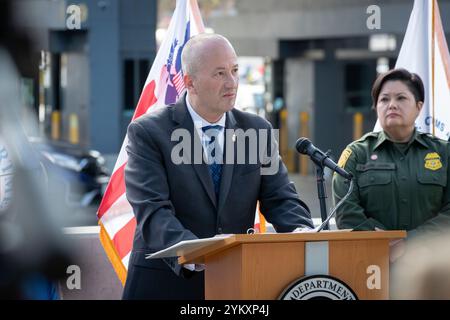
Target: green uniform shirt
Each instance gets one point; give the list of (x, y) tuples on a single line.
[(396, 186)]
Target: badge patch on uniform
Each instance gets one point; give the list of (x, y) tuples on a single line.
[(344, 157), (433, 161)]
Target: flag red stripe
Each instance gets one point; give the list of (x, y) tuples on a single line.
[(116, 188), (146, 100), (179, 82), (123, 240), (180, 88), (178, 77)]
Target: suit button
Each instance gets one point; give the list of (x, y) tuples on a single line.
[(219, 230)]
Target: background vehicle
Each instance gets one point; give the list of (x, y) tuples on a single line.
[(79, 176)]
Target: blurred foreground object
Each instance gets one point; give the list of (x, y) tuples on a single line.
[(424, 271), (31, 244), (30, 239)]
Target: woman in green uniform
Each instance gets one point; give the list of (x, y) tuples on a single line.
[(400, 174)]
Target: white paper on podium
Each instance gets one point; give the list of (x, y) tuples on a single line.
[(185, 247)]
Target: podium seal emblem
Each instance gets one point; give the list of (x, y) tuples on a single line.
[(318, 287)]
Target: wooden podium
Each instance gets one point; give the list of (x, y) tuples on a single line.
[(261, 266)]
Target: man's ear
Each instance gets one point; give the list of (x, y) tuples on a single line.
[(189, 83)]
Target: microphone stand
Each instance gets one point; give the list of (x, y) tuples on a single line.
[(321, 193)]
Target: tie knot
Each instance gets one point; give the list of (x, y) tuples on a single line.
[(213, 128), (211, 131)]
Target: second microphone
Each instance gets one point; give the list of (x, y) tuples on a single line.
[(304, 146)]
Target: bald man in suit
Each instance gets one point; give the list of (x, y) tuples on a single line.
[(177, 199)]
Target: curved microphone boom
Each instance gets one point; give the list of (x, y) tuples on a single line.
[(304, 146)]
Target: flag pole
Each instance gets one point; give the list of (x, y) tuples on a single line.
[(197, 15), (432, 64)]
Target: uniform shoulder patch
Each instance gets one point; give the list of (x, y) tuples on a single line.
[(344, 157)]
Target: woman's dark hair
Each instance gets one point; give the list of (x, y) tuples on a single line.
[(411, 80)]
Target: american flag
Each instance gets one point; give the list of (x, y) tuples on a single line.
[(116, 218), (178, 81)]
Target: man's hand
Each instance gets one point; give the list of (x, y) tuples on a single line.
[(303, 229), (194, 267)]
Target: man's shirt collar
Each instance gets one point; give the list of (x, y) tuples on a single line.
[(199, 122)]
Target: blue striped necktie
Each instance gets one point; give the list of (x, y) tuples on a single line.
[(213, 149)]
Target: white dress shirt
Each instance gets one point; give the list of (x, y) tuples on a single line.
[(199, 123)]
